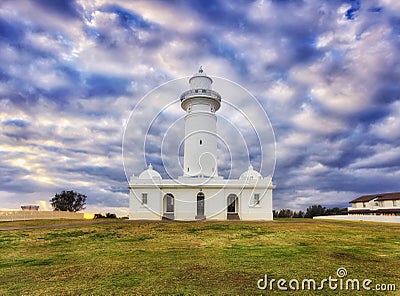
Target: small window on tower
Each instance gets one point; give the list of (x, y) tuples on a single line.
[(201, 142), (188, 170)]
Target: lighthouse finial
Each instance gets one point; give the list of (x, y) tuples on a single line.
[(201, 69)]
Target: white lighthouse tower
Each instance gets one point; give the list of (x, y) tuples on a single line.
[(200, 143)]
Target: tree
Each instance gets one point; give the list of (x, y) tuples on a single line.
[(107, 215), (299, 214), (315, 210), (336, 211), (285, 213), (70, 201), (275, 213), (112, 216)]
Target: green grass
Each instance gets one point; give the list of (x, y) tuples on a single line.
[(203, 258)]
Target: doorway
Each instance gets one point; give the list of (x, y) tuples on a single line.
[(200, 206), (232, 207), (168, 206), (232, 203)]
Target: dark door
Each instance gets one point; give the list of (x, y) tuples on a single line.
[(200, 205), (170, 203), (232, 203)]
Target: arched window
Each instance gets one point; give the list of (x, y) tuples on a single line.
[(168, 207), (168, 203)]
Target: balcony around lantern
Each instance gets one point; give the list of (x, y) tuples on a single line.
[(201, 93), (208, 93)]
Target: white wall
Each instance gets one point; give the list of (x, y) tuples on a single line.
[(215, 203), (38, 215), (137, 211), (370, 218)]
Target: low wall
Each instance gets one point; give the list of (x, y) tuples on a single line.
[(370, 218), (38, 215)]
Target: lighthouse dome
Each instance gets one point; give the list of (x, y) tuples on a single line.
[(251, 174), (150, 173)]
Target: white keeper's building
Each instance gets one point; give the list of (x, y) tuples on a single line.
[(200, 193)]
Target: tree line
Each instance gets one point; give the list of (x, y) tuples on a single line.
[(312, 211)]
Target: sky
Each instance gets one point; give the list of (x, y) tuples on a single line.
[(325, 72)]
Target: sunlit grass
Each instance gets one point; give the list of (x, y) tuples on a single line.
[(203, 258)]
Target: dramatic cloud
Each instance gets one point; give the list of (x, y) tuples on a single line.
[(326, 73)]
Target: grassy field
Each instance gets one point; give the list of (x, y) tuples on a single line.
[(194, 258)]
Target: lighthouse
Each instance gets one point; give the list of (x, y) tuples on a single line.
[(200, 142), (200, 193)]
